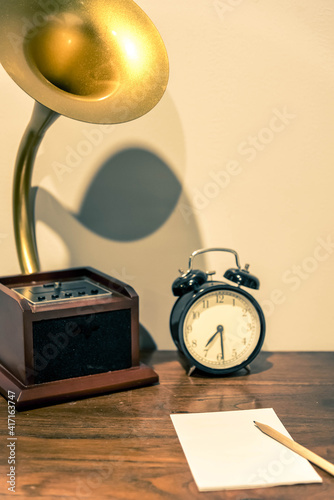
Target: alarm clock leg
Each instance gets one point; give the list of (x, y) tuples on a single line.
[(191, 371)]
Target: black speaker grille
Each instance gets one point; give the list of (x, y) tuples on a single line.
[(81, 345)]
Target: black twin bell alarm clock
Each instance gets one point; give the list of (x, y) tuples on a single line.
[(218, 327)]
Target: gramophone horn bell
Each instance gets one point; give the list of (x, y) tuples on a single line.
[(99, 61)]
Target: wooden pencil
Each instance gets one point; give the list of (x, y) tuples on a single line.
[(297, 448)]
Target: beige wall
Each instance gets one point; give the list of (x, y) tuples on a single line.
[(246, 127)]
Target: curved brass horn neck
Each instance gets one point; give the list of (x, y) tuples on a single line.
[(23, 209)]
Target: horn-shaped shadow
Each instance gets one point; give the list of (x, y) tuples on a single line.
[(132, 195)]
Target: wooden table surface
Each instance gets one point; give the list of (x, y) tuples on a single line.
[(123, 445)]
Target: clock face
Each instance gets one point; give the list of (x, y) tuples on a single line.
[(222, 329)]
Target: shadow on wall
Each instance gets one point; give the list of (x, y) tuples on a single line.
[(129, 226), (132, 196)]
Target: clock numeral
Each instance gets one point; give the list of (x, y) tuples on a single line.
[(244, 340), (194, 343), (189, 328), (205, 304), (234, 353), (206, 352), (219, 356), (233, 302), (244, 312), (196, 315), (219, 298)]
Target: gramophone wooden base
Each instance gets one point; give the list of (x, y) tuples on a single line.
[(59, 391)]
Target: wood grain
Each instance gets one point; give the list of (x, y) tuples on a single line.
[(123, 446)]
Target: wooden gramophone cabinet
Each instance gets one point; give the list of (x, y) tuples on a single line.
[(66, 335)]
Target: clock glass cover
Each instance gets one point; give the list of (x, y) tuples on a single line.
[(221, 329)]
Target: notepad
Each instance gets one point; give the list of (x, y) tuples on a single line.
[(225, 450)]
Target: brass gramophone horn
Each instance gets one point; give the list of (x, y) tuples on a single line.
[(98, 61)]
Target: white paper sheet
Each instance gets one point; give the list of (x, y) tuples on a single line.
[(225, 450)]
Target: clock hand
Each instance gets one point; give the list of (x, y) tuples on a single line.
[(211, 338), (220, 329)]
